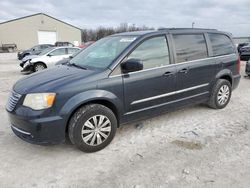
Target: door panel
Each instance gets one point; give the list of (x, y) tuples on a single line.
[(57, 55), (195, 77), (148, 88), (195, 70), (154, 84)]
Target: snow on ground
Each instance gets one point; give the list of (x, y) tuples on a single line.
[(193, 147)]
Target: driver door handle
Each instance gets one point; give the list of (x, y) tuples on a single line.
[(168, 73)]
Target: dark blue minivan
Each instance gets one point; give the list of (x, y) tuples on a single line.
[(120, 79)]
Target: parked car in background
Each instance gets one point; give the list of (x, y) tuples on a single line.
[(240, 45), (8, 47), (64, 44), (66, 60), (35, 50), (248, 68), (245, 53), (120, 79), (86, 44), (47, 58)]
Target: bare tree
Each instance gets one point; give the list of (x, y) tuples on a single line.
[(100, 32)]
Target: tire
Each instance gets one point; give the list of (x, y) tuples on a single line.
[(83, 121), (39, 67), (221, 94)]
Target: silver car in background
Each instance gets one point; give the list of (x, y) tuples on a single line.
[(47, 58)]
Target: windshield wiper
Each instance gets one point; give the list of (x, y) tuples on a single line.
[(78, 66)]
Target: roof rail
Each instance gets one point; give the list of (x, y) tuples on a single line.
[(173, 28)]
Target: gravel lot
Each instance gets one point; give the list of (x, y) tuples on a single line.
[(192, 147)]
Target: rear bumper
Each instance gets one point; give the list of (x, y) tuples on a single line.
[(48, 130), (236, 81)]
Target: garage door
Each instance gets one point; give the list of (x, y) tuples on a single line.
[(46, 37)]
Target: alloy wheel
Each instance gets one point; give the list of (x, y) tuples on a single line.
[(223, 95), (39, 68), (96, 130)]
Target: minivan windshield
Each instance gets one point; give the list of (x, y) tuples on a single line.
[(103, 52)]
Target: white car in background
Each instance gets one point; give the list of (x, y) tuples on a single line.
[(47, 58)]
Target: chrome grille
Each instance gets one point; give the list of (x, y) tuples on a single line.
[(12, 101)]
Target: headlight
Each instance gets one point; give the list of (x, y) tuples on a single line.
[(39, 101)]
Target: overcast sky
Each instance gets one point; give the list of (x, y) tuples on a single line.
[(227, 15)]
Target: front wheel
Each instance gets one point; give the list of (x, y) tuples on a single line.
[(39, 67), (92, 127), (221, 94)]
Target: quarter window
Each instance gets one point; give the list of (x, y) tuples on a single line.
[(190, 47), (43, 46), (152, 52), (221, 44)]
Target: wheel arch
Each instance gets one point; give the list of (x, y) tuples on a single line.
[(228, 78), (40, 62), (107, 99), (225, 74)]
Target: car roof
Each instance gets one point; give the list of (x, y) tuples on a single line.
[(134, 33), (58, 47), (169, 30)]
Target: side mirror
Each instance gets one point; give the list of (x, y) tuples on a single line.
[(49, 55), (131, 65)]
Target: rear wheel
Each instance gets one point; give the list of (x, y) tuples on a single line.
[(39, 67), (92, 127), (220, 95)]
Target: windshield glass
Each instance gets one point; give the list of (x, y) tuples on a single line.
[(45, 51), (34, 48), (102, 53)]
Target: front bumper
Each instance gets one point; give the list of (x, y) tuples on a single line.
[(19, 56), (47, 130), (27, 67), (22, 64)]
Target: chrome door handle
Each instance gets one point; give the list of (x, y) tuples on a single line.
[(185, 70), (168, 73)]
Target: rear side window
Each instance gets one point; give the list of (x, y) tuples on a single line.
[(60, 51), (221, 44), (190, 47), (72, 50), (43, 46), (153, 52)]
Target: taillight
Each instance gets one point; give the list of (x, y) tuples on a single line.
[(238, 65)]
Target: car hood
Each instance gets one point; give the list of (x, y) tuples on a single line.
[(50, 80), (25, 51), (28, 57)]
